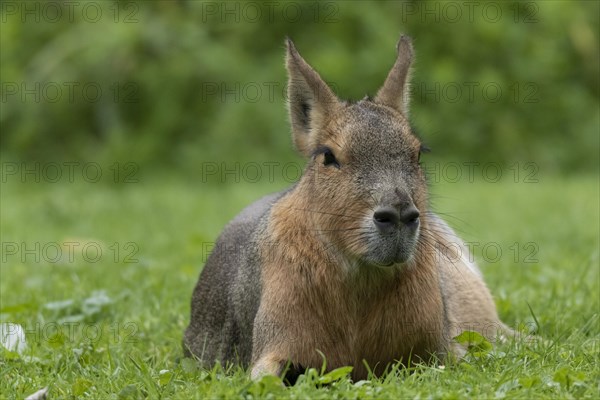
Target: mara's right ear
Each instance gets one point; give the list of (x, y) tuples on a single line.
[(310, 101), (395, 91)]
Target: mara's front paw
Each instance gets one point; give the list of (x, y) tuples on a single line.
[(268, 364)]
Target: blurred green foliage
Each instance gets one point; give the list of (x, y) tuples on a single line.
[(183, 82)]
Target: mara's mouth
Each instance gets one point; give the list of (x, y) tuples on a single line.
[(398, 258), (392, 263), (386, 266), (391, 251)]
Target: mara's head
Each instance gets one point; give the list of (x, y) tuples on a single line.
[(363, 188)]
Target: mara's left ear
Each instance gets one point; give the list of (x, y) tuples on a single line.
[(310, 100), (395, 90)]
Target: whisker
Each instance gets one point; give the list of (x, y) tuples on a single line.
[(322, 212)]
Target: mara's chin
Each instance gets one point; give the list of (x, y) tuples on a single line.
[(390, 258), (393, 261)]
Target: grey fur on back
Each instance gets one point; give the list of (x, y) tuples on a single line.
[(227, 295)]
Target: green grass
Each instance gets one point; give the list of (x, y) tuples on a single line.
[(112, 329)]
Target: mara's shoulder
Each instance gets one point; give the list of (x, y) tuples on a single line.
[(255, 211)]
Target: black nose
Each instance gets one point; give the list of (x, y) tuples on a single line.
[(387, 219), (410, 215)]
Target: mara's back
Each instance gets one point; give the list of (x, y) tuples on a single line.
[(226, 297)]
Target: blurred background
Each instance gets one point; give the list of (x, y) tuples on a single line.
[(132, 132), (173, 84)]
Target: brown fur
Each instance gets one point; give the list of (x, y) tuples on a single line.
[(348, 264), (348, 317)]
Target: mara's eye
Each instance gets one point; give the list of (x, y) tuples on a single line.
[(329, 158), (422, 149)]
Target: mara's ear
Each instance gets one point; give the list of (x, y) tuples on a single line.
[(395, 90), (310, 101)]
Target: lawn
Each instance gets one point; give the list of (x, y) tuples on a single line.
[(100, 276)]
